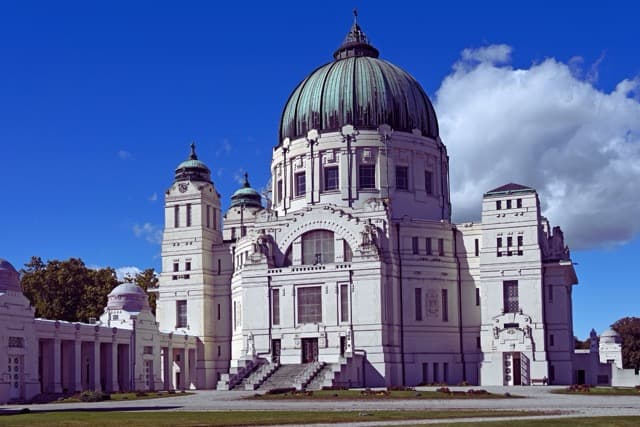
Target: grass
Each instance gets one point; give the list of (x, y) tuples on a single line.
[(558, 422), (600, 391), (236, 418), (377, 394), (127, 396)]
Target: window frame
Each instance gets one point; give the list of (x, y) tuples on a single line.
[(302, 316), (182, 318), (300, 179), (326, 178), (371, 174), (402, 177)]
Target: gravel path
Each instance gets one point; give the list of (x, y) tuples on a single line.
[(537, 398)]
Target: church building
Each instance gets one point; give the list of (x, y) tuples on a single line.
[(350, 273)]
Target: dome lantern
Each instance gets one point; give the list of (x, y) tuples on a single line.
[(246, 196)]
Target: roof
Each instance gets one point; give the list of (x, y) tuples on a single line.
[(9, 277), (193, 169), (246, 196), (510, 188), (358, 89)]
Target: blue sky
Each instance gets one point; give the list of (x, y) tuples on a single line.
[(100, 100)]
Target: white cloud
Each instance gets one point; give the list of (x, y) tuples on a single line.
[(224, 148), (546, 127), (148, 232), (124, 155), (153, 197), (127, 271)]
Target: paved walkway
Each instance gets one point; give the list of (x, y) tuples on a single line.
[(537, 398)]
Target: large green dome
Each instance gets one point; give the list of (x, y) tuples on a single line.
[(358, 89)]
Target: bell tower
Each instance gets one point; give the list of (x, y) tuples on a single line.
[(193, 289)]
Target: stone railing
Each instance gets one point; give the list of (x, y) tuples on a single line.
[(301, 380), (237, 373), (257, 377)]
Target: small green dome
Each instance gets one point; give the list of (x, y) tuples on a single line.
[(193, 169), (358, 89), (246, 196)]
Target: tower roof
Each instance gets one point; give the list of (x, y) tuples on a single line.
[(9, 277), (193, 169), (510, 189)]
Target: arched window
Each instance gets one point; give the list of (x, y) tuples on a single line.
[(318, 247)]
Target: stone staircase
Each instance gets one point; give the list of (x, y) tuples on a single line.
[(324, 378), (257, 377), (292, 376)]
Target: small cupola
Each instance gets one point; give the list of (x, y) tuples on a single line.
[(246, 196), (193, 169)]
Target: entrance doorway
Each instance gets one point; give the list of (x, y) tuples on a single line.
[(309, 350), (517, 369), (15, 370), (276, 348), (580, 376)]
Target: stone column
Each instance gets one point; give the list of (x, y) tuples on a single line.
[(96, 365), (57, 367), (170, 376), (77, 365), (185, 368), (114, 366)]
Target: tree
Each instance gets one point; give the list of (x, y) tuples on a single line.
[(629, 330), (66, 290)]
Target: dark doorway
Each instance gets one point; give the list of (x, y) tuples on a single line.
[(580, 376), (343, 346), (517, 373), (275, 351), (309, 350)]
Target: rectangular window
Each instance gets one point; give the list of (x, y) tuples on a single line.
[(445, 305), (499, 246), (509, 244), (219, 351), (445, 372), (509, 204), (215, 218), (147, 349), (181, 314), (208, 216), (275, 306), (188, 214), (301, 184), (476, 244), (331, 178), (402, 178), (366, 177), (279, 191), (218, 311), (176, 267), (428, 182), (309, 304), (441, 247), (176, 216), (510, 296), (344, 302), (477, 297), (520, 243), (436, 377), (414, 245), (518, 203), (550, 293), (219, 267), (551, 340), (418, 301), (187, 266), (498, 205), (478, 342), (428, 245)]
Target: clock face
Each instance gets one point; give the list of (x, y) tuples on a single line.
[(183, 187)]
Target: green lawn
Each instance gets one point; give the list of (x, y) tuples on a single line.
[(602, 391), (559, 422), (234, 418), (374, 394)]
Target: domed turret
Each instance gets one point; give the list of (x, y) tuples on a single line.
[(246, 196), (358, 89), (609, 337), (9, 277), (193, 169), (128, 297)]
